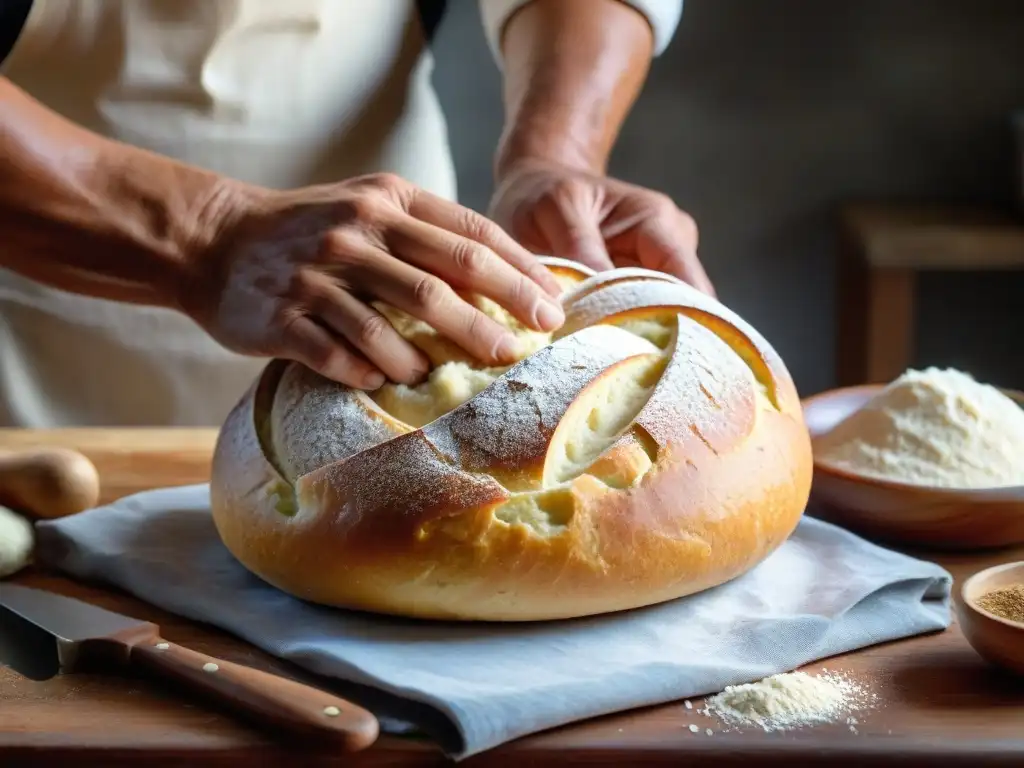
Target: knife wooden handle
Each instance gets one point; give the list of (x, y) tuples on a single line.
[(270, 699)]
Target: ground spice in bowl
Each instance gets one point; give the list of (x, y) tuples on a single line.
[(1005, 602)]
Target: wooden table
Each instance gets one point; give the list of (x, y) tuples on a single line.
[(940, 704)]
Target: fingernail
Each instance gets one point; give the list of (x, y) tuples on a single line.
[(420, 368), (549, 315), (374, 380), (418, 376), (551, 286), (508, 347)]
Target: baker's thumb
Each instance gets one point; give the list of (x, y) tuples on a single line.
[(576, 235)]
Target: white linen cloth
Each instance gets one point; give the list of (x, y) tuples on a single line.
[(824, 592)]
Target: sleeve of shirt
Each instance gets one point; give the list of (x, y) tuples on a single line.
[(13, 14), (662, 15)]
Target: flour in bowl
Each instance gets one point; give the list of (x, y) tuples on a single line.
[(937, 427)]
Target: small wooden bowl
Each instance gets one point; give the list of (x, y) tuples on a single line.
[(997, 640), (947, 518)]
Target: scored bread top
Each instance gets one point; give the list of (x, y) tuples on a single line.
[(489, 448), (317, 421), (646, 305), (504, 431), (700, 357)]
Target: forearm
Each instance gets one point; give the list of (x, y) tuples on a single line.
[(84, 214), (573, 69)]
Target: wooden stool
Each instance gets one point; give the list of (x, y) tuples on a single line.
[(882, 248)]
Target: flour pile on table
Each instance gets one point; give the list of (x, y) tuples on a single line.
[(788, 701)]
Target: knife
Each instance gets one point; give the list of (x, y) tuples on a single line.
[(43, 634)]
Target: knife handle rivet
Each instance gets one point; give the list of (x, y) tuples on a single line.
[(210, 667), (332, 711), (162, 646)]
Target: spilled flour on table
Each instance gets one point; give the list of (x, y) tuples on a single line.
[(792, 700)]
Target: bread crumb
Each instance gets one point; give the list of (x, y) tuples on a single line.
[(694, 728), (210, 667), (332, 711), (688, 704)]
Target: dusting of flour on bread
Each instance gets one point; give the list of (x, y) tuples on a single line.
[(526, 405), (317, 421), (936, 427)]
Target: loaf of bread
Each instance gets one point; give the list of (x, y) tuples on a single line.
[(652, 447)]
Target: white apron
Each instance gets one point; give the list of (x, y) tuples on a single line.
[(281, 93)]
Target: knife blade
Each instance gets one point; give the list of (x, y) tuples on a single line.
[(43, 634)]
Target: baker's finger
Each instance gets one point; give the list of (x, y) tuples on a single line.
[(472, 267), (429, 298), (668, 244), (573, 229), (474, 226), (312, 345), (372, 334)]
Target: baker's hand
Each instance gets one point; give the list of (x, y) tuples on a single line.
[(599, 221), (293, 275)]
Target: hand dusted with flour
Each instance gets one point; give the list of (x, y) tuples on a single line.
[(652, 447)]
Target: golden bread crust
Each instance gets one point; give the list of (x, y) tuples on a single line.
[(604, 471)]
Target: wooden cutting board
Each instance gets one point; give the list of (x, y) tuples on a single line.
[(938, 703)]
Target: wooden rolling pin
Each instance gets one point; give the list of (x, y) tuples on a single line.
[(47, 482)]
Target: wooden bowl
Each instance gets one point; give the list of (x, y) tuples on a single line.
[(997, 640), (906, 513)]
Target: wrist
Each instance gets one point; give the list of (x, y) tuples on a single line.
[(207, 230), (572, 69), (173, 215), (97, 217), (537, 144)]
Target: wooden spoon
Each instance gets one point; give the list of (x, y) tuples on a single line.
[(48, 482)]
